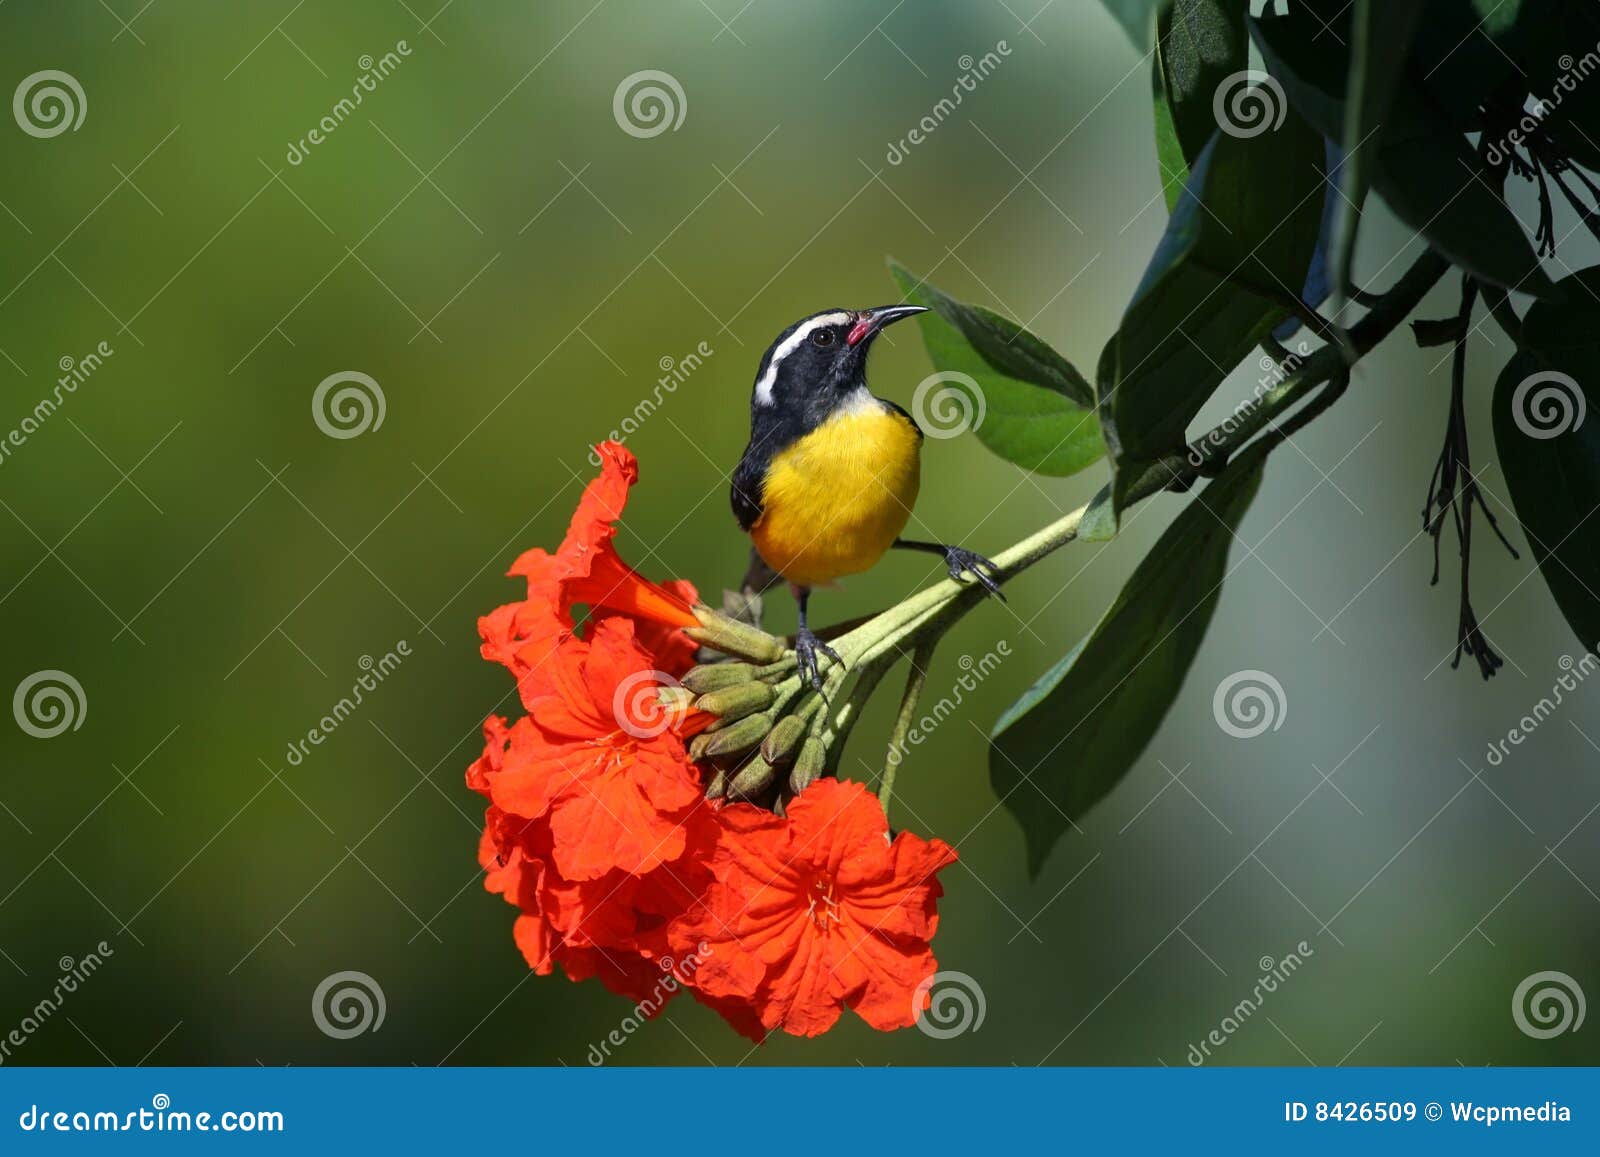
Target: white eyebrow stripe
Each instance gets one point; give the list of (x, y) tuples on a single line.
[(789, 345)]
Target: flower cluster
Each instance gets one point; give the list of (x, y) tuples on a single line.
[(600, 832)]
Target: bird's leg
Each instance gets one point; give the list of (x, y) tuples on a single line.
[(807, 646), (960, 561)]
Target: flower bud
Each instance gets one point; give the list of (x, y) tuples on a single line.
[(739, 737), (698, 745), (735, 638), (675, 701), (753, 780), (715, 676), (717, 784), (808, 767), (783, 741), (737, 701)]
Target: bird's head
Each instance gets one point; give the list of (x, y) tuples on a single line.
[(820, 360)]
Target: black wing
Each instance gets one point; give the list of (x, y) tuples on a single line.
[(748, 477)]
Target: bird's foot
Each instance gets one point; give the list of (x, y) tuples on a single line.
[(966, 562), (806, 649)]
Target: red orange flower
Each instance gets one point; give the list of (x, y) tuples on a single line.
[(586, 571), (818, 911), (598, 832), (611, 774)]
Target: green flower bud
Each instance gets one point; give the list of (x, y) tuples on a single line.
[(715, 676), (738, 738), (753, 780), (782, 743), (737, 701), (732, 637), (808, 767)]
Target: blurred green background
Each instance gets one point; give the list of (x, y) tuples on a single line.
[(482, 239)]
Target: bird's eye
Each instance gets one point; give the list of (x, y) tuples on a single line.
[(822, 337)]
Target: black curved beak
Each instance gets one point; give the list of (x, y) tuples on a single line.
[(870, 321)]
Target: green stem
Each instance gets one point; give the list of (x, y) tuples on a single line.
[(916, 679), (933, 609)]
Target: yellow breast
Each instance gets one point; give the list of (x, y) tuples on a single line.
[(836, 499)]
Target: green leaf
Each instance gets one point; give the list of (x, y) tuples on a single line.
[(1379, 46), (1077, 731), (1239, 241), (1037, 410), (1549, 446), (1170, 160), (1138, 19), (1099, 521)]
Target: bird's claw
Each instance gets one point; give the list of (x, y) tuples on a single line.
[(966, 562), (806, 648)]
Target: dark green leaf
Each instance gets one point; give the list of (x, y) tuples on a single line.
[(1424, 170), (1381, 38), (1468, 55), (1199, 45), (1549, 446), (1037, 410), (1429, 177), (1307, 51), (1560, 59), (1076, 732), (1238, 243)]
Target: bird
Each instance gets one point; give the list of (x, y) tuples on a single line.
[(826, 485)]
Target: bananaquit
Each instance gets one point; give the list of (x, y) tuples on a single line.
[(828, 480)]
